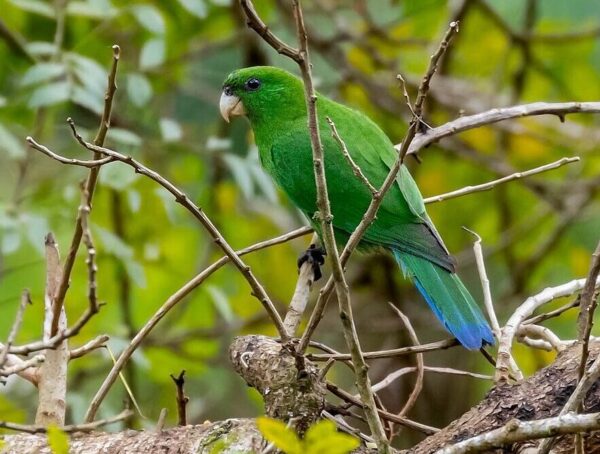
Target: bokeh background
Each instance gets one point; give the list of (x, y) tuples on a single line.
[(53, 64)]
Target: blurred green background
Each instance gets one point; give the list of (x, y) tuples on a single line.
[(536, 233)]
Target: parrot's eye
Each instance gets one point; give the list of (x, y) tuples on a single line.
[(252, 84)]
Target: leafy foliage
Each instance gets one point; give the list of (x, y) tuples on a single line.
[(321, 438)]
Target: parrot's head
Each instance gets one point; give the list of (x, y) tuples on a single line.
[(262, 93)]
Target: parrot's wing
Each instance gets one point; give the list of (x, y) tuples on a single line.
[(402, 221)]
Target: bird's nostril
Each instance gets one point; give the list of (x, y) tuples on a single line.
[(227, 90)]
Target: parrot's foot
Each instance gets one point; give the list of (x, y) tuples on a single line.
[(316, 257)]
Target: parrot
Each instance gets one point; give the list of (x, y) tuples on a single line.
[(273, 101)]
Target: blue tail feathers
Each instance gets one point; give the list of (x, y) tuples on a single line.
[(449, 300)]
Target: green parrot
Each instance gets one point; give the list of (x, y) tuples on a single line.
[(273, 101)]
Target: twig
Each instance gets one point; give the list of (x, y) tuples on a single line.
[(492, 184), (168, 305), (181, 398), (257, 289), (90, 183), (403, 351), (515, 431), (87, 427), (25, 300), (499, 114), (355, 168), (423, 428), (393, 376), (162, 417), (22, 365), (524, 311), (377, 198), (412, 399), (544, 334), (325, 220), (485, 283), (588, 303), (94, 344)]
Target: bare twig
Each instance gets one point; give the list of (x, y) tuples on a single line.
[(516, 430), (423, 428), (167, 306), (492, 184), (88, 427), (21, 366), (90, 183), (412, 399), (94, 344), (162, 417), (524, 311), (181, 398), (499, 114), (588, 303), (403, 351), (25, 300), (355, 168), (485, 283), (377, 198), (257, 289), (325, 220)]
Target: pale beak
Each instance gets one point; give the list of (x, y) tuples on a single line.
[(230, 105)]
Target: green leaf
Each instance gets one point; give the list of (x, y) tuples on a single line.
[(135, 270), (50, 94), (118, 176), (41, 48), (90, 9), (11, 240), (280, 435), (90, 73), (58, 440), (150, 18), (323, 438), (10, 143), (113, 244), (35, 6), (153, 53), (196, 7), (88, 99), (170, 130), (125, 137), (42, 72), (139, 89)]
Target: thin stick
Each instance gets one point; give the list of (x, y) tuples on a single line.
[(403, 351), (25, 300), (560, 109), (485, 283), (87, 427), (587, 307), (258, 290), (325, 219), (355, 168), (377, 198), (492, 184), (523, 311), (22, 365), (94, 344), (181, 399), (414, 395), (90, 184), (167, 306), (515, 431)]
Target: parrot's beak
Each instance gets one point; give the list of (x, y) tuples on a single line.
[(230, 105)]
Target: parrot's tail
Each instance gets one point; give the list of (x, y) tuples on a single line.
[(449, 300)]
